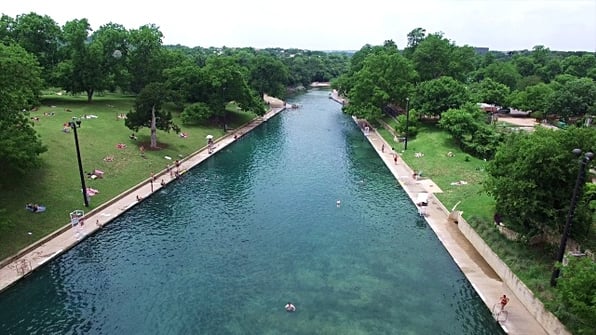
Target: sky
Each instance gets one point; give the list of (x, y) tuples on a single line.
[(565, 25)]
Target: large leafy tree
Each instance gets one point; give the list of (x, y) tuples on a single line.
[(435, 56), (470, 130), (574, 97), (415, 37), (6, 27), (268, 75), (580, 66), (20, 82), (432, 57), (40, 36), (385, 78), (532, 179), (145, 57), (82, 71), (149, 113), (229, 83), (436, 96), (489, 91), (534, 98), (209, 89), (112, 40), (503, 72)]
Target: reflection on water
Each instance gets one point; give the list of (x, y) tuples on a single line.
[(223, 249)]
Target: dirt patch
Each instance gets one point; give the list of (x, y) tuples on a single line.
[(519, 121)]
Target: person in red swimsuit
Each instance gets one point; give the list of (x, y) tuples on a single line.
[(504, 301)]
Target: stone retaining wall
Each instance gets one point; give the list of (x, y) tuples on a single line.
[(549, 322)]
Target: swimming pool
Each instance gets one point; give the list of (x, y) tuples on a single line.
[(225, 247)]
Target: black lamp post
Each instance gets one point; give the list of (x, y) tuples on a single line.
[(579, 184), (407, 123), (74, 125)]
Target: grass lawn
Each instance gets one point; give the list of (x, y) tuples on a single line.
[(435, 143), (57, 185)]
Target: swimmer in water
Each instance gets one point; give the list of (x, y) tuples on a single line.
[(290, 307), (338, 203)]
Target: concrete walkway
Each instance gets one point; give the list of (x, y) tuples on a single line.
[(482, 277), (34, 256)]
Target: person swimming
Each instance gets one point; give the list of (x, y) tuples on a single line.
[(338, 203), (290, 307)]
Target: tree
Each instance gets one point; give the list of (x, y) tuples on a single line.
[(579, 66), (432, 57), (20, 79), (112, 40), (574, 97), (489, 91), (82, 71), (6, 27), (211, 88), (145, 57), (40, 36), (525, 65), (435, 56), (532, 178), (576, 289), (534, 98), (415, 37), (504, 73), (436, 96), (229, 83), (470, 130), (148, 111), (268, 75), (385, 78)]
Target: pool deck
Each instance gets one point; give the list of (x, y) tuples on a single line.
[(486, 282)]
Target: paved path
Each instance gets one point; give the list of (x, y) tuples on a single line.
[(482, 277), (65, 238)]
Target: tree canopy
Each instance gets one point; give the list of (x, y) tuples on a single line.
[(148, 111), (20, 79), (532, 178)]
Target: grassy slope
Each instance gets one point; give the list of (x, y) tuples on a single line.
[(57, 184)]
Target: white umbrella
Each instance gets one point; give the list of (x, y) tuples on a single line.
[(209, 137)]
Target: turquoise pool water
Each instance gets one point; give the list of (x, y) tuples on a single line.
[(223, 249)]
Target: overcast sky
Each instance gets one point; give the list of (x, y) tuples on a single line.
[(338, 25)]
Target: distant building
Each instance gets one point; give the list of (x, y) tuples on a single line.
[(481, 50)]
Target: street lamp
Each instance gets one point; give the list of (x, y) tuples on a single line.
[(407, 123), (74, 125), (579, 184)]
